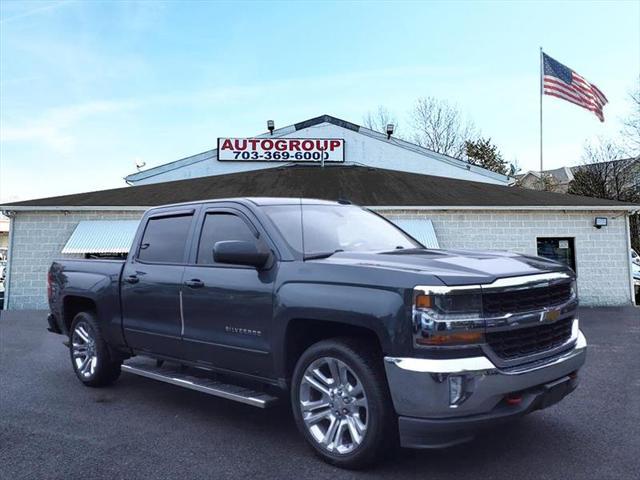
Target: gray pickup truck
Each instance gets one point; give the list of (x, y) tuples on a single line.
[(373, 339)]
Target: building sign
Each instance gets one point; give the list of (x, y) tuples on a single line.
[(281, 149)]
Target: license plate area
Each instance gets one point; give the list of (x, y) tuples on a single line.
[(556, 391)]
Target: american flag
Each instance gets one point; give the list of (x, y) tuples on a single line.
[(562, 82)]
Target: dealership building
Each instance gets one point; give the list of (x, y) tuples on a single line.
[(442, 201)]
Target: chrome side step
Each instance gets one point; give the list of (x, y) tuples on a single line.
[(177, 376)]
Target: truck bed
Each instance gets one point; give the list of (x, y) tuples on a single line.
[(96, 280)]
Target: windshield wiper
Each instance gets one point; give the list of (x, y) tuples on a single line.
[(316, 256)]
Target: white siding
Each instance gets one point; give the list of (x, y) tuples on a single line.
[(38, 239), (359, 148), (602, 256)]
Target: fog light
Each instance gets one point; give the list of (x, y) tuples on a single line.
[(513, 399), (456, 390)]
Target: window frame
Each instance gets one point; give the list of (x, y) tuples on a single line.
[(192, 212), (299, 255), (259, 234), (572, 247)]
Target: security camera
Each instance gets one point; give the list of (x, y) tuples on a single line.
[(390, 128), (139, 164)]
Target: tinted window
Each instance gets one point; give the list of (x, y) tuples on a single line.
[(219, 227), (164, 239)]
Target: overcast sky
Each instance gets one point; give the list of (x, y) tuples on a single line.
[(88, 88)]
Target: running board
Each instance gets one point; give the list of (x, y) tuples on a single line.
[(182, 378)]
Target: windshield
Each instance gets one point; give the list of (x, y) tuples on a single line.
[(324, 229)]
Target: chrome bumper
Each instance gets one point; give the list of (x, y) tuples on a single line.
[(450, 388)]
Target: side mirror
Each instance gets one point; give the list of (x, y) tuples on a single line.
[(240, 253)]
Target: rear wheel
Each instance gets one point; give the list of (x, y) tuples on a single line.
[(341, 402), (90, 356)]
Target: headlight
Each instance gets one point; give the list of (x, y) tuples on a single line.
[(451, 306), (448, 319)]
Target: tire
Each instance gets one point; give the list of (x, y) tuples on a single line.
[(363, 402), (90, 355)]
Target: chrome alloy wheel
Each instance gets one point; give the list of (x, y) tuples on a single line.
[(333, 405), (83, 347)]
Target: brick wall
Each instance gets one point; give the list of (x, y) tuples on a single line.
[(601, 254), (38, 238)]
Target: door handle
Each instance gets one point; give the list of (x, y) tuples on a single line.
[(194, 283), (132, 279)]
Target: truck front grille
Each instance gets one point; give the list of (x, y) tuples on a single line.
[(497, 304), (530, 340)]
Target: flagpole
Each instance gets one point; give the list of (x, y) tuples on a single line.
[(541, 93)]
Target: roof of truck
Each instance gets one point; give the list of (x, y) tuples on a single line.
[(258, 201)]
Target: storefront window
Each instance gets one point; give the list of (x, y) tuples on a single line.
[(559, 249)]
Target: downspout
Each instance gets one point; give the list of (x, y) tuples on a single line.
[(7, 280), (629, 263)]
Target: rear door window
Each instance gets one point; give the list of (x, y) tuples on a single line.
[(164, 239)]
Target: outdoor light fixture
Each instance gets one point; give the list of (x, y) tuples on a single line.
[(390, 128), (600, 222), (270, 126)]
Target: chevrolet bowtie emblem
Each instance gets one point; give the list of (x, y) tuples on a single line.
[(550, 316)]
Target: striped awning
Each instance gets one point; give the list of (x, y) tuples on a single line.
[(419, 228), (102, 236)]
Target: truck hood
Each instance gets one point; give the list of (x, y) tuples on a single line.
[(452, 267)]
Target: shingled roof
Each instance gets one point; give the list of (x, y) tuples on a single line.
[(373, 187)]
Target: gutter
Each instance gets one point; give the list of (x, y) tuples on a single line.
[(7, 280), (629, 263), (580, 208), (36, 208)]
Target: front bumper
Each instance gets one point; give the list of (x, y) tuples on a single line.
[(441, 402)]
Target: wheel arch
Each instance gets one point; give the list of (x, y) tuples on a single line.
[(74, 304), (305, 313), (301, 333)]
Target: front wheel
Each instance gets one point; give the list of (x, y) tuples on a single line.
[(90, 356), (341, 402)]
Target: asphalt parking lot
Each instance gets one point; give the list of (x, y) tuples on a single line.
[(52, 427)]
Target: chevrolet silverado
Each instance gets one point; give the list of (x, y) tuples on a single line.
[(373, 339)]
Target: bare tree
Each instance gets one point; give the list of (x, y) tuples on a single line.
[(440, 127), (631, 125), (606, 174), (379, 119), (514, 167)]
